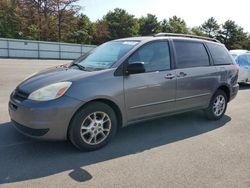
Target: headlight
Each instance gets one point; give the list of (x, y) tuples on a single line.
[(50, 92)]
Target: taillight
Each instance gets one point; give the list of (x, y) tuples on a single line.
[(237, 67)]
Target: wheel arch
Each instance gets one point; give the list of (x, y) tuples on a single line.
[(110, 103), (226, 89)]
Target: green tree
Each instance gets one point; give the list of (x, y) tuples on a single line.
[(164, 26), (34, 32), (197, 31), (39, 14), (174, 25), (58, 20), (232, 35), (248, 43), (64, 10), (210, 27), (121, 24), (43, 15), (83, 30), (149, 25), (9, 22), (101, 32)]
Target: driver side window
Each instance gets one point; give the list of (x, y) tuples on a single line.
[(155, 56)]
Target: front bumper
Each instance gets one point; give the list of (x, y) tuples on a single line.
[(45, 120)]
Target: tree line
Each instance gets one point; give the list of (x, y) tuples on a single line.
[(61, 20)]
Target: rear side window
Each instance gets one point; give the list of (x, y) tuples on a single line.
[(219, 54), (190, 54)]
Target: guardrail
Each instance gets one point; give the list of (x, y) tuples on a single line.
[(15, 48)]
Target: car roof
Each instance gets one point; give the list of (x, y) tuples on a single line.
[(239, 52), (152, 38)]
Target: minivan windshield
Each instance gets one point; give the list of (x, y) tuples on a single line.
[(105, 55)]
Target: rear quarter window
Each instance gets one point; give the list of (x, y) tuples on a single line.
[(219, 54)]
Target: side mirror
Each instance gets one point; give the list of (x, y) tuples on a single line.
[(135, 68)]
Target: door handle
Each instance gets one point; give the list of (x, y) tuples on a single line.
[(170, 76), (182, 74)]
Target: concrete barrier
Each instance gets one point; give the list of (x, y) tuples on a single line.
[(15, 48)]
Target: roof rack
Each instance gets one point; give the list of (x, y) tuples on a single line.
[(185, 35)]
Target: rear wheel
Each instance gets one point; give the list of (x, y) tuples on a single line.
[(93, 126), (217, 106)]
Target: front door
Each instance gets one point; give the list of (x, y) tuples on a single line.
[(153, 92)]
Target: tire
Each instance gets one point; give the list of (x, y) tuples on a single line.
[(211, 112), (93, 126), (241, 83)]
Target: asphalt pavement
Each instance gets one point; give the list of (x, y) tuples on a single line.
[(184, 150)]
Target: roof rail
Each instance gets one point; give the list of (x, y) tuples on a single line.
[(185, 35)]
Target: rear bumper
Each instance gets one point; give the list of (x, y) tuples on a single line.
[(234, 91)]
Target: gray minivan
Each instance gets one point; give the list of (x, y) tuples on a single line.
[(122, 82)]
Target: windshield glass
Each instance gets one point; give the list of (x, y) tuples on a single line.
[(106, 55)]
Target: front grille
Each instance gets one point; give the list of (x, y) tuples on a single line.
[(20, 95)]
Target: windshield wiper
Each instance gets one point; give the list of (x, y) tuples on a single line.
[(79, 66)]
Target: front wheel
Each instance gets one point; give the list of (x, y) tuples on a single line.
[(217, 106), (93, 126)]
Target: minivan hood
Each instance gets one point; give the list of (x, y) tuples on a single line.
[(50, 76)]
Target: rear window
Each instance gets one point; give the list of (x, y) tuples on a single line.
[(190, 54), (219, 54), (243, 60)]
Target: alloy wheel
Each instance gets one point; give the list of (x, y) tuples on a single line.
[(95, 128), (219, 105)]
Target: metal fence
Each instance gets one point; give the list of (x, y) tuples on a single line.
[(14, 48)]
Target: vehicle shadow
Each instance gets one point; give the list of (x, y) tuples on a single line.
[(22, 158), (244, 86)]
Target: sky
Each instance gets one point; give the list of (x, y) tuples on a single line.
[(194, 12)]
